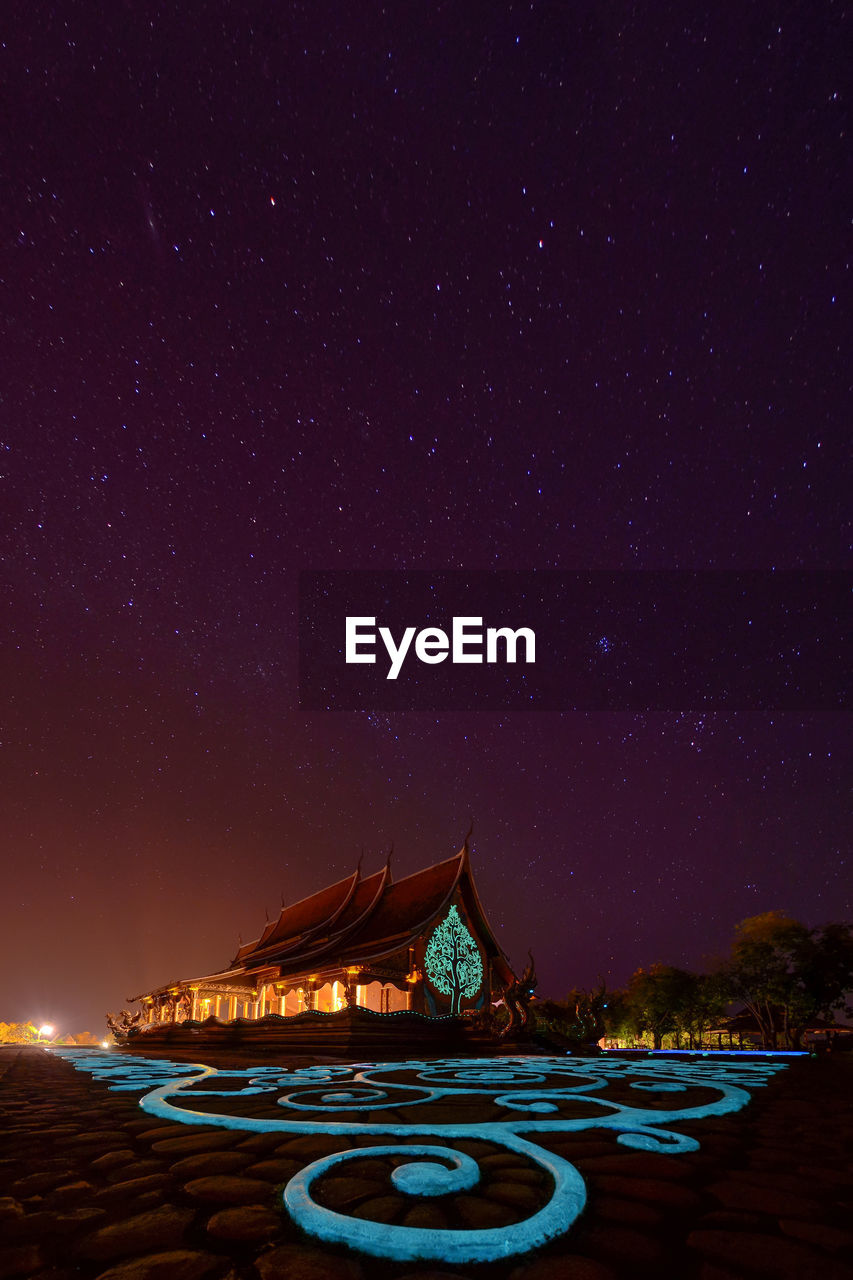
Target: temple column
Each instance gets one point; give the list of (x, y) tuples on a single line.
[(232, 1008), (194, 1004), (217, 1000), (262, 1001)]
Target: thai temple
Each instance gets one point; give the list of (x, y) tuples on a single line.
[(420, 945)]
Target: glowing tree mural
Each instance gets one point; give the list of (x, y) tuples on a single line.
[(452, 960)]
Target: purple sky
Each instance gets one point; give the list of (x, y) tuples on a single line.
[(514, 286)]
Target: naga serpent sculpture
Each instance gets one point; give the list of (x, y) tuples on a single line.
[(120, 1023), (517, 997)]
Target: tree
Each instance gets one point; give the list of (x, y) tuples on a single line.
[(18, 1033), (665, 1001), (760, 971), (577, 1020), (452, 960), (787, 974), (620, 1019), (827, 968), (655, 997), (702, 1000)]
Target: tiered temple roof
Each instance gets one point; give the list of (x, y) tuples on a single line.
[(359, 921), (362, 919)]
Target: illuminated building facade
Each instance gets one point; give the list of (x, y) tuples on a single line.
[(421, 944)]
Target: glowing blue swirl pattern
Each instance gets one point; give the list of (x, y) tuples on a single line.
[(536, 1097)]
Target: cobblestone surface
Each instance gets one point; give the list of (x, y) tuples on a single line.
[(92, 1188)]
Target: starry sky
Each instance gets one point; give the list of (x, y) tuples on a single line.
[(493, 286)]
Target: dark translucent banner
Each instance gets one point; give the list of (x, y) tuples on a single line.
[(554, 641)]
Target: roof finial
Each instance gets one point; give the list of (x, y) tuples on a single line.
[(281, 899), (360, 860), (469, 833), (390, 855), (266, 913)]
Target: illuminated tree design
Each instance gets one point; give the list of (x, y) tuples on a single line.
[(452, 960)]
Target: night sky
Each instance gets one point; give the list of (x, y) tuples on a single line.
[(299, 286)]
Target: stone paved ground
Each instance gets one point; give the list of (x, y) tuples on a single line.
[(90, 1187)]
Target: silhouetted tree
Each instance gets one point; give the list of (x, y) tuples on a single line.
[(655, 997), (701, 1000), (577, 1020), (787, 974), (619, 1018)]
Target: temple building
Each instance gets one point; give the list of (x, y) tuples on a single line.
[(421, 944)]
